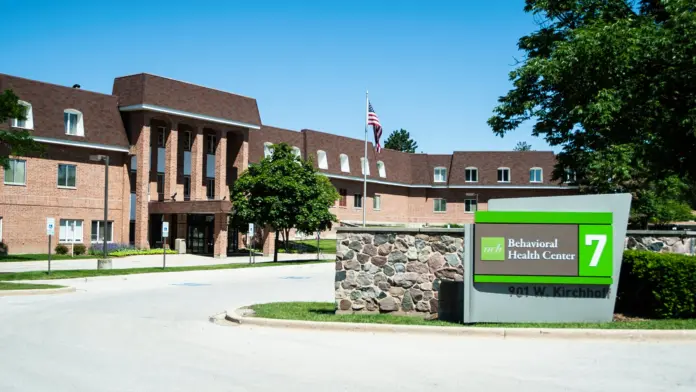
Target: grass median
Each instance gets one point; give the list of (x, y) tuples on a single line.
[(309, 246), (26, 286), (324, 312), (69, 274)]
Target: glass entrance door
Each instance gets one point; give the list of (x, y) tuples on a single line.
[(196, 239), (199, 239)]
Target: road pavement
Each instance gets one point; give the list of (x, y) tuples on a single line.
[(151, 333)]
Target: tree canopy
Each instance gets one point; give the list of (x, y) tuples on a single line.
[(400, 140), (522, 146), (611, 79), (284, 192), (14, 141)]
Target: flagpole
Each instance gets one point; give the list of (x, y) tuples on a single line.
[(364, 162)]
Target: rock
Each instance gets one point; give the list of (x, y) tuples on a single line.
[(345, 241), (451, 248), (363, 258), (367, 238), (370, 268), (355, 245), (348, 284), (349, 255), (451, 259), (388, 270), (400, 244), (340, 276), (356, 294), (435, 262), (412, 276), (370, 306), (370, 292), (339, 266), (384, 285), (397, 257), (420, 244), (428, 295), (392, 238), (379, 277), (370, 250), (388, 304), (400, 280), (416, 294), (656, 246), (439, 247), (412, 254), (396, 291), (423, 237), (341, 236), (427, 286), (421, 306), (379, 260), (340, 294), (384, 249), (344, 304), (436, 284), (407, 302), (352, 265), (381, 295), (410, 240), (358, 305), (354, 237), (447, 239), (433, 305), (449, 273), (400, 267), (424, 254), (380, 239), (364, 279), (434, 238), (420, 268), (341, 252), (337, 285), (459, 242)]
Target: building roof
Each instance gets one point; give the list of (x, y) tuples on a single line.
[(101, 118), (146, 89)]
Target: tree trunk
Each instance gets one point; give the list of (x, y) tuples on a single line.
[(286, 235), (275, 248)]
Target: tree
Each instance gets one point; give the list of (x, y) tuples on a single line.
[(611, 79), (522, 146), (400, 140), (14, 141), (284, 192)]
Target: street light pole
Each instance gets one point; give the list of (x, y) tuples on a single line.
[(106, 200)]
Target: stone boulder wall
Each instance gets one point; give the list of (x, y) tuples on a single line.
[(395, 270), (680, 245)]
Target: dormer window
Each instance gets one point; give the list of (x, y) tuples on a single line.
[(381, 169), (471, 174), (440, 174), (74, 125), (267, 150), (503, 174), (296, 152), (535, 174), (28, 122), (365, 164), (345, 165), (321, 160)]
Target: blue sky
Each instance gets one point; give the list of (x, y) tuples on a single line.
[(434, 68)]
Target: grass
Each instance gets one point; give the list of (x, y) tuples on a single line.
[(310, 246), (44, 256), (69, 274), (26, 286), (324, 311)]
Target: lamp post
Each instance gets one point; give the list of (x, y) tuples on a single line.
[(105, 263)]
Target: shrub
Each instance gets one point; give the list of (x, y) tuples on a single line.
[(97, 249), (3, 249), (660, 285), (79, 249), (61, 249)]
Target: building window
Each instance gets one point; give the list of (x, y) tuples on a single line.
[(440, 205), (67, 176), (161, 133), (440, 174), (357, 200), (187, 188), (134, 163), (267, 150), (570, 176), (296, 152), (98, 231), (70, 230), (345, 165), (160, 183), (343, 201), (15, 174), (28, 122), (377, 202), (211, 142), (381, 169), (187, 141), (470, 205), (471, 174), (365, 166), (73, 122), (321, 160), (503, 174), (0, 229), (210, 190), (535, 174)]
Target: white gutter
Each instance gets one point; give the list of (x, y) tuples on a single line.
[(72, 143), (161, 109)]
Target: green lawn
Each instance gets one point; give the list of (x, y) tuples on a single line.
[(69, 274), (26, 286), (324, 311), (44, 256), (310, 246)]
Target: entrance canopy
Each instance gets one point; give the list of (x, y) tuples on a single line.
[(190, 207)]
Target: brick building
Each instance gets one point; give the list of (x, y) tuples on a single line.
[(175, 149)]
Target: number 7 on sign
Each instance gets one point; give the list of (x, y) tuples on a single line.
[(601, 240), (596, 249)]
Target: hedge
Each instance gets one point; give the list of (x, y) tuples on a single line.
[(657, 285)]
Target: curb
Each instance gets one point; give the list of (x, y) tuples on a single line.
[(12, 293), (241, 316)]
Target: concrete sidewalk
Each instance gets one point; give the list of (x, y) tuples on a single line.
[(184, 260)]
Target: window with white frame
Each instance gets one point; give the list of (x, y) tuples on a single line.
[(211, 143), (67, 176), (28, 122), (440, 205), (377, 202), (381, 169), (364, 166), (535, 174), (70, 230), (16, 172), (440, 174), (267, 150), (470, 205), (471, 174), (503, 174), (296, 152), (98, 231), (74, 124), (357, 200), (345, 165), (322, 162)]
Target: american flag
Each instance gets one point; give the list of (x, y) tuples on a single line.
[(373, 120)]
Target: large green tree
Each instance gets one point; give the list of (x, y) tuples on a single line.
[(400, 140), (522, 146), (284, 192), (611, 78), (14, 141)]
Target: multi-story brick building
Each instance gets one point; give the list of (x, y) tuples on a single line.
[(175, 149)]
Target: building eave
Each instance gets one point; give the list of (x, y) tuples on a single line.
[(71, 143), (198, 116)]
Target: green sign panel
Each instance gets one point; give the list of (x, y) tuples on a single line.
[(543, 247)]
